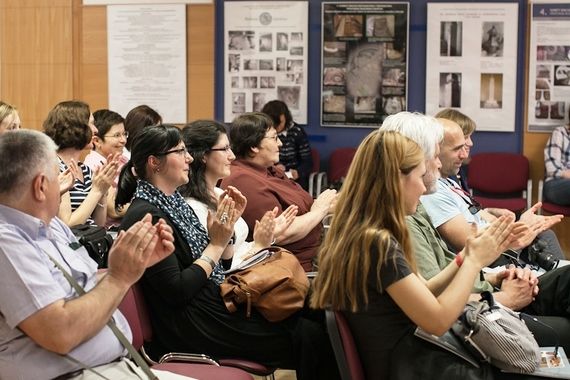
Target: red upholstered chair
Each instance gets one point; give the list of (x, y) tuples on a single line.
[(135, 310), (550, 208), (317, 179), (344, 348), (500, 180), (339, 162)]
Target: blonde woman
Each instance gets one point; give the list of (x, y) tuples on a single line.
[(9, 118), (367, 267)]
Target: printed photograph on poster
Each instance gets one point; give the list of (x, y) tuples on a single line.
[(266, 56), (364, 62), (471, 60), (549, 66)]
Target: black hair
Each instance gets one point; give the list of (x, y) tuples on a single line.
[(152, 141), (274, 109), (199, 137), (137, 119), (105, 120)]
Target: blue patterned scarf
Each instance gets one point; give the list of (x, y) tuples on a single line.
[(184, 218)]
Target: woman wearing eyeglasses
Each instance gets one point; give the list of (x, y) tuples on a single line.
[(183, 290), (208, 143), (255, 143), (109, 141)]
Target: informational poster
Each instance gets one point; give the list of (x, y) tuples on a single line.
[(147, 59), (471, 62), (549, 66), (364, 62), (265, 56)]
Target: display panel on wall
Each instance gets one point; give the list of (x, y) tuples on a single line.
[(146, 49), (471, 62), (265, 56), (548, 66), (364, 70)]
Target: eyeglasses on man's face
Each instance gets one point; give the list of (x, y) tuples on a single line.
[(226, 148), (118, 135)]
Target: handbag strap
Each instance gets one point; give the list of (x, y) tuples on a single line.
[(112, 325)]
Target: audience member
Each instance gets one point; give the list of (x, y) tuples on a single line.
[(518, 289), (47, 330), (109, 142), (86, 201), (295, 154), (368, 271), (138, 118), (452, 210), (256, 144), (183, 292), (557, 165), (9, 118), (208, 144)]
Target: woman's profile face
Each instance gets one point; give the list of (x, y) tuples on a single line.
[(113, 142), (219, 159), (412, 185), (268, 150), (10, 123)]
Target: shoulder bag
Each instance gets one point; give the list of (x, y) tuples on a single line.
[(497, 335), (273, 281), (96, 241)]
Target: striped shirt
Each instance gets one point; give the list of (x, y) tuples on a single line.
[(80, 190), (557, 153), (296, 151)]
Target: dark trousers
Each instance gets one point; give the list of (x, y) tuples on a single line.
[(552, 307)]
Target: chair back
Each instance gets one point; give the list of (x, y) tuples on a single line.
[(501, 180), (135, 311), (344, 347), (316, 157), (498, 173), (339, 162)]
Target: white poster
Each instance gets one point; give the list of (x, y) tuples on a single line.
[(147, 59), (549, 66), (471, 62), (265, 56)]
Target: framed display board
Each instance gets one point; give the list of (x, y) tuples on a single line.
[(265, 56), (364, 62), (548, 66), (471, 62)]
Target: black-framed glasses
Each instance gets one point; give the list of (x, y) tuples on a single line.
[(118, 135), (226, 148), (180, 151)]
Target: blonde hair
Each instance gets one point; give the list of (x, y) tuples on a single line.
[(467, 124), (6, 110), (369, 215)]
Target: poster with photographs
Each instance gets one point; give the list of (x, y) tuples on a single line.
[(549, 67), (471, 62), (364, 63), (265, 56)]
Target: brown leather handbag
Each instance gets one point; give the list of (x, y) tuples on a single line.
[(276, 285)]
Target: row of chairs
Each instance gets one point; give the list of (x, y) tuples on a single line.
[(499, 180), (502, 180)]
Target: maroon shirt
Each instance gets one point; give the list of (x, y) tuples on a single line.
[(266, 188)]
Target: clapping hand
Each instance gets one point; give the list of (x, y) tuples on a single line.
[(283, 221)]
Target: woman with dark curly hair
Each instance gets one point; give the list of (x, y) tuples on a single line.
[(68, 125)]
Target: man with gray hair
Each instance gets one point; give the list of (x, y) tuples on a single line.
[(47, 329), (516, 287)]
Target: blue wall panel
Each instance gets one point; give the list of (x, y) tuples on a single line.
[(326, 139)]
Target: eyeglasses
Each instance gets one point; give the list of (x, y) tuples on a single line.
[(180, 151), (118, 135), (276, 137), (227, 149)]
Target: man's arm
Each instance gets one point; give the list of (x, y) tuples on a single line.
[(63, 325), (455, 231)]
